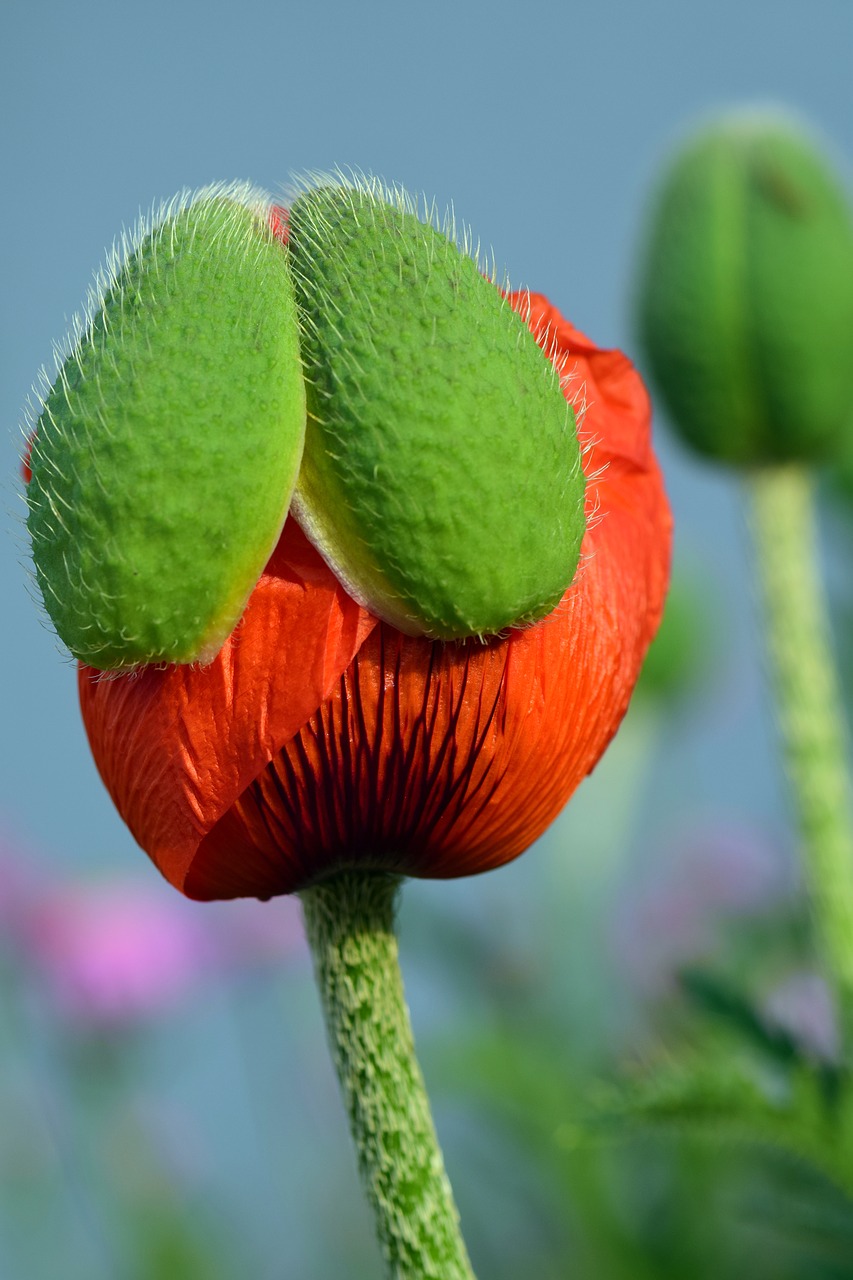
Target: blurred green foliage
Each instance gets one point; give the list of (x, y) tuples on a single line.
[(680, 656)]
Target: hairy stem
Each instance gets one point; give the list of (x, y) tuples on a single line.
[(809, 704), (350, 925)]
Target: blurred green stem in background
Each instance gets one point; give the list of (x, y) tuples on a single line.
[(349, 920), (810, 712)]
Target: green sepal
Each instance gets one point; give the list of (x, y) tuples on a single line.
[(441, 477), (166, 451)]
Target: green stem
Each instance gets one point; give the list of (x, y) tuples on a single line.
[(350, 925), (809, 702)]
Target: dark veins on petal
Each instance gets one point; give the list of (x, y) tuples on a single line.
[(348, 791)]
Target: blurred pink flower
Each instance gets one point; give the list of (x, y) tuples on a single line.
[(116, 950), (17, 887)]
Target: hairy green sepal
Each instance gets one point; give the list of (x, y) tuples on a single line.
[(166, 451), (746, 295), (441, 477)]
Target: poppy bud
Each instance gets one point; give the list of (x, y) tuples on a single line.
[(165, 453), (321, 739), (441, 479), (746, 294)]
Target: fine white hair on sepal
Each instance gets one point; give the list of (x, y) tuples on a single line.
[(548, 341), (420, 206), (457, 235), (149, 230)]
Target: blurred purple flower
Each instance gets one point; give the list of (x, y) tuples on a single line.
[(802, 1005), (673, 916)]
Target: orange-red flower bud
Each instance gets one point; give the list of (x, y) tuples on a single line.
[(319, 737)]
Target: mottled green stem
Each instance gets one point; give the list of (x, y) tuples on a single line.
[(809, 703), (350, 925)]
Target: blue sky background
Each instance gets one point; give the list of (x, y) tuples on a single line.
[(543, 123)]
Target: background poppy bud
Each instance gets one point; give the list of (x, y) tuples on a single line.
[(441, 478), (165, 453), (746, 294)]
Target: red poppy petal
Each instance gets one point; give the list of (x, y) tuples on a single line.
[(598, 382), (621, 468), (177, 745), (280, 222), (26, 458)]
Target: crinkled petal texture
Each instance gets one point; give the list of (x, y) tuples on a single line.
[(319, 738), (177, 745)]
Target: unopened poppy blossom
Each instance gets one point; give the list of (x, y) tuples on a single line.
[(321, 738)]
